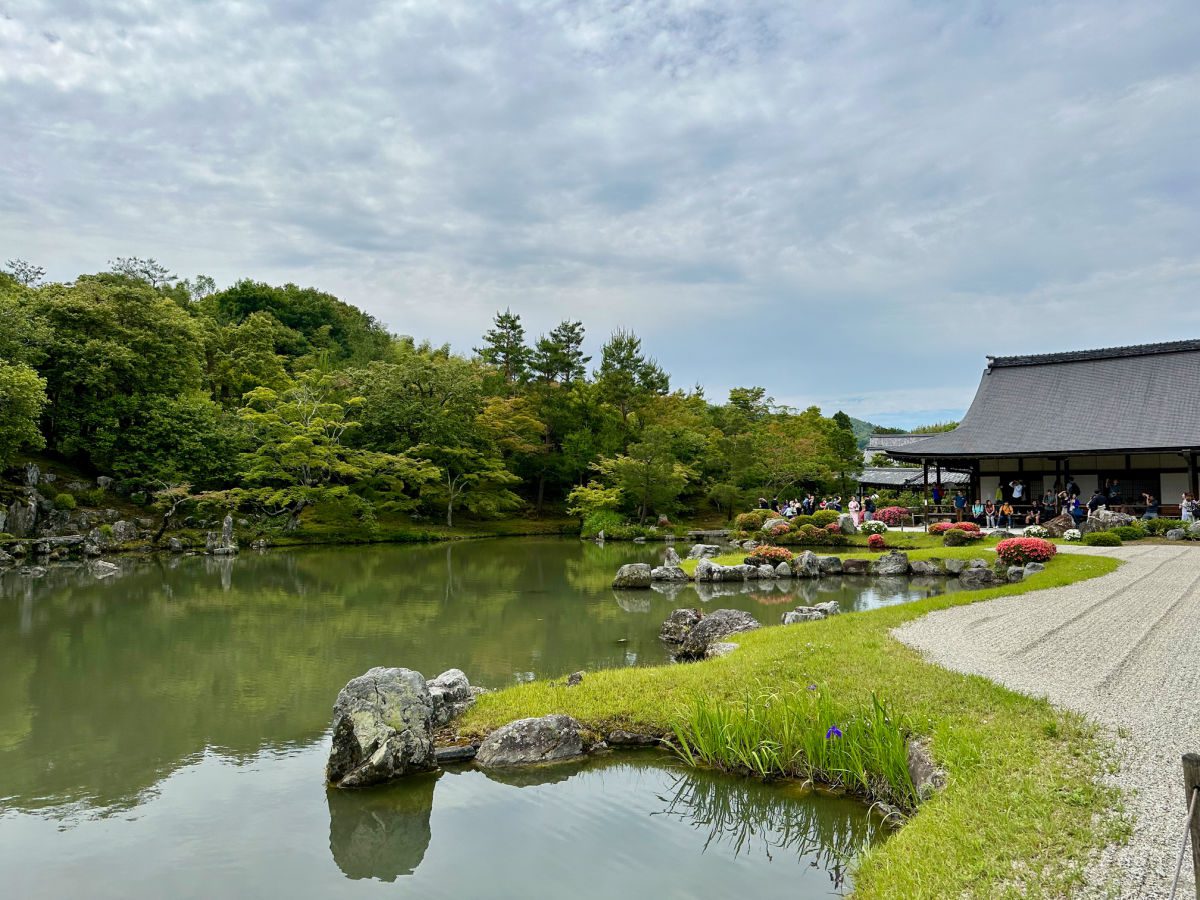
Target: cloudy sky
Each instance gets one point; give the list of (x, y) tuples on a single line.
[(850, 203)]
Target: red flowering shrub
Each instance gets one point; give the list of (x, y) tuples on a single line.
[(891, 515), (834, 528), (780, 530), (1021, 550), (876, 542), (943, 527), (772, 556)]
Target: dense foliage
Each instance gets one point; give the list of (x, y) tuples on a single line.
[(275, 399)]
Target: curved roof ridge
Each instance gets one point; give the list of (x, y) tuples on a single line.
[(1039, 359)]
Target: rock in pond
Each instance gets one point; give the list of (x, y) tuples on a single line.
[(668, 573), (621, 738), (451, 695), (703, 551), (678, 624), (928, 567), (830, 565), (458, 754), (528, 741), (720, 623), (891, 563), (670, 557), (806, 565), (954, 566), (633, 575), (382, 728), (6, 560), (783, 570), (856, 567), (977, 578)]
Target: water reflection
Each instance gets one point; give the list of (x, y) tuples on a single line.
[(381, 833)]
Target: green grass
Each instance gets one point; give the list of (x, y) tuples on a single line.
[(981, 549), (1022, 808)]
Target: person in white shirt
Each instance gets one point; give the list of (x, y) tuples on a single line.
[(1018, 490)]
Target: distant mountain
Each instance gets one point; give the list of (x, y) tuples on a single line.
[(863, 431)]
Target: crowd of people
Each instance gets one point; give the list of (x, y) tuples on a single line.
[(862, 508)]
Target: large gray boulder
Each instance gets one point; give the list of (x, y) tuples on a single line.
[(633, 575), (1194, 531), (382, 728), (702, 551), (718, 624), (704, 570), (954, 566), (528, 741), (974, 578), (806, 565), (678, 624), (22, 517), (1105, 520), (891, 563), (783, 570), (1059, 525), (927, 567), (451, 695), (801, 614), (124, 531), (670, 557), (856, 566), (846, 524), (1015, 574), (1175, 534), (830, 565), (766, 572), (668, 573), (771, 524)]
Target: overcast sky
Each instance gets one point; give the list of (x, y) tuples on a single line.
[(850, 203)]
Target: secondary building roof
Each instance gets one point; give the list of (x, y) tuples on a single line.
[(1119, 399), (907, 476)]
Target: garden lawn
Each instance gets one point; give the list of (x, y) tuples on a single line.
[(932, 550), (1022, 809)]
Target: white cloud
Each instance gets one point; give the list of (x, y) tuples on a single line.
[(845, 201)]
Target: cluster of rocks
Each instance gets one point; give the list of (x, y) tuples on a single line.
[(1191, 533), (384, 725), (700, 636), (808, 565), (811, 613)]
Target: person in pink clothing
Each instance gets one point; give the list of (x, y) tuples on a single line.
[(854, 507)]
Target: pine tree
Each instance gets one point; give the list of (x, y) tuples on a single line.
[(559, 356), (504, 347)]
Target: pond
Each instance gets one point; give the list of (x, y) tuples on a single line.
[(163, 731)]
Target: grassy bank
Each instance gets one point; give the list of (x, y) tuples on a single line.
[(1021, 810)]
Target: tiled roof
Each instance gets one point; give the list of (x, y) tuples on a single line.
[(880, 442), (907, 476), (1121, 399)]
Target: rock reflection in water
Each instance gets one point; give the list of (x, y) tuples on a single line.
[(383, 832)]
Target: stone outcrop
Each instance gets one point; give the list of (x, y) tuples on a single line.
[(846, 524), (670, 557), (973, 578), (856, 567), (702, 551), (633, 576), (528, 741), (1015, 574), (123, 531), (829, 565), (891, 563), (222, 544), (1059, 525), (1175, 534), (811, 613), (806, 565), (382, 728), (1105, 520), (716, 625), (771, 524), (668, 573), (22, 517), (927, 567), (678, 624), (451, 694), (783, 570)]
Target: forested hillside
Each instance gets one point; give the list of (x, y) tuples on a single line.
[(274, 399)]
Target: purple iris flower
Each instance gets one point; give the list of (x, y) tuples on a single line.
[(833, 732)]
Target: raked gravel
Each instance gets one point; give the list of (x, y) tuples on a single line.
[(1124, 650)]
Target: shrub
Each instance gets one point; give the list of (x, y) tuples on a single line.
[(64, 501), (833, 528), (1036, 531), (802, 520), (943, 527), (811, 535), (753, 520), (1072, 534), (874, 527), (876, 542), (1161, 526), (1129, 532), (1021, 550), (780, 530), (93, 496), (606, 520), (772, 556), (106, 531), (1102, 539), (956, 537), (891, 515), (823, 517)]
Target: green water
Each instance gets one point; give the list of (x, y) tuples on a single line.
[(163, 731)]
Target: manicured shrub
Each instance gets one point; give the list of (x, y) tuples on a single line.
[(876, 542), (833, 528), (874, 527), (797, 521), (753, 520), (769, 555), (606, 520), (1129, 532), (780, 530), (812, 536), (1072, 534), (892, 515), (823, 517), (943, 527), (1161, 526), (1021, 550), (1036, 531), (93, 496), (1102, 539), (957, 537), (64, 501)]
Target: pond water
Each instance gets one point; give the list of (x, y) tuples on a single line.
[(163, 732)]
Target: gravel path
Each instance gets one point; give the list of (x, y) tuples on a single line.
[(1124, 650)]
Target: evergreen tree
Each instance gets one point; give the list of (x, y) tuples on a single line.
[(559, 356), (504, 347), (626, 377)]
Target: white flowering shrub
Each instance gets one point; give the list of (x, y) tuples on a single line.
[(1036, 531), (873, 527), (1073, 534)]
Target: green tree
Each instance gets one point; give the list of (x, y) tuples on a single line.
[(150, 271), (649, 475), (186, 439), (558, 357), (242, 356), (504, 347), (843, 445), (22, 396), (24, 272), (300, 458), (626, 377), (470, 479)]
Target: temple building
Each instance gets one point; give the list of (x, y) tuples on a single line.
[(1129, 414)]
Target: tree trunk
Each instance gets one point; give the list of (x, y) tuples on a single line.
[(541, 492), (450, 514), (293, 521)]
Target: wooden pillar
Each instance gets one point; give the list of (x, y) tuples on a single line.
[(1194, 488), (925, 477), (1191, 784), (938, 480)]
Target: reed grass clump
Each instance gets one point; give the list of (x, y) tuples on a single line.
[(802, 734)]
